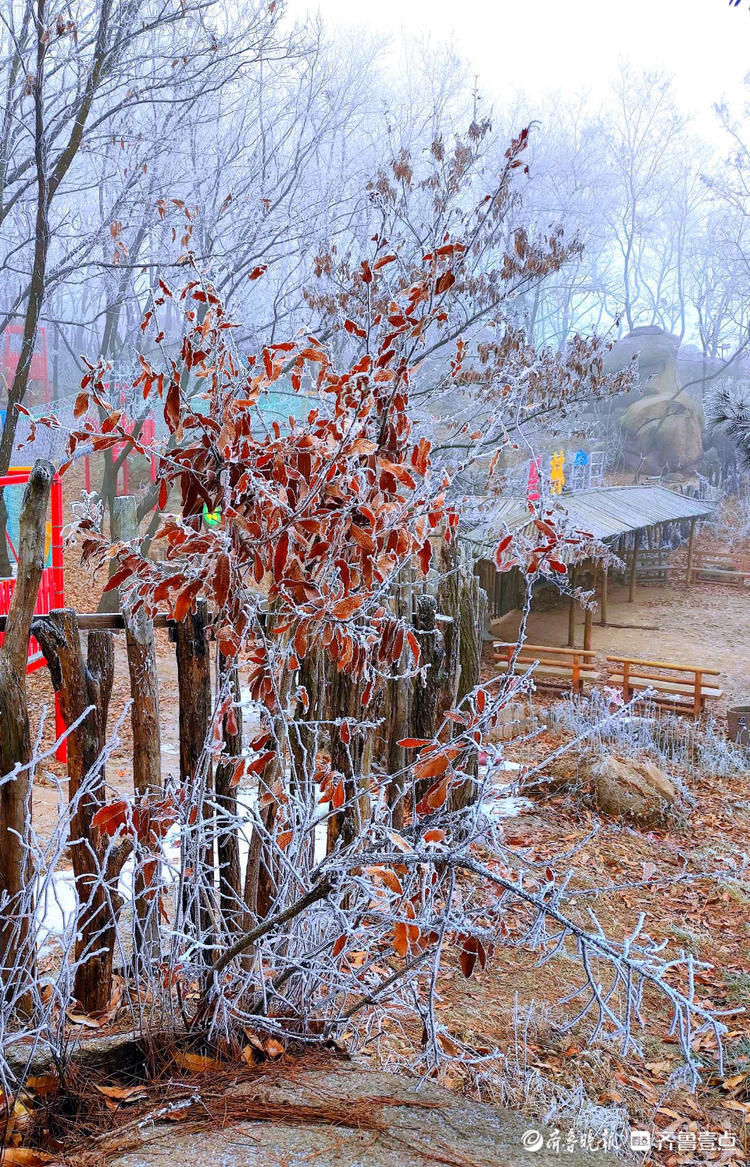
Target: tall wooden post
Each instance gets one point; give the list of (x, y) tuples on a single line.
[(227, 839), (605, 597), (96, 865), (194, 687), (572, 611), (144, 686), (17, 953), (587, 622), (691, 542), (634, 567), (144, 715)]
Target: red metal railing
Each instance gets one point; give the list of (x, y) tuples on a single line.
[(52, 587), (146, 437), (38, 370)]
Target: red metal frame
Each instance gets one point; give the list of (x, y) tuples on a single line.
[(146, 435), (38, 370), (52, 587)]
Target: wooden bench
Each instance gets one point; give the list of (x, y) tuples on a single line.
[(721, 567), (681, 681), (651, 566), (553, 665)]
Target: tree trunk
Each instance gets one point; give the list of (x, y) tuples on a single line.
[(261, 872), (96, 865), (17, 957), (305, 743)]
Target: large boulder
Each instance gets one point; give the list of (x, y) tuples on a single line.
[(663, 429), (633, 788), (507, 627), (662, 425)]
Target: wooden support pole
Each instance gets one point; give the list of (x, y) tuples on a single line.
[(227, 839), (105, 622), (96, 865), (17, 954), (194, 688), (634, 567), (572, 611), (144, 720), (144, 683), (587, 622), (691, 545), (605, 597)]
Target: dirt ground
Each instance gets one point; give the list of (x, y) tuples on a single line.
[(706, 624)]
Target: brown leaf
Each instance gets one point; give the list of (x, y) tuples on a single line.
[(172, 405), (84, 1019), (24, 1157), (43, 1084), (197, 1063), (111, 817), (345, 608), (221, 579), (81, 406), (123, 1093), (432, 766)]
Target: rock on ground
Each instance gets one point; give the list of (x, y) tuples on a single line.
[(631, 788), (450, 1130)]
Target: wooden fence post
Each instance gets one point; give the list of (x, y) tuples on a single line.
[(572, 610), (17, 957), (96, 866), (397, 700), (587, 621), (472, 614), (194, 691), (144, 712), (227, 839), (425, 695)]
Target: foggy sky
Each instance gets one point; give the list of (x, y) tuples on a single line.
[(538, 46)]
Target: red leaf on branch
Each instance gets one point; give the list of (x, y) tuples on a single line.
[(108, 819)]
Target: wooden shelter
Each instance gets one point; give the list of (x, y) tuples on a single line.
[(641, 524)]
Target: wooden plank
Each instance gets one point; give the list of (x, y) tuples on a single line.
[(546, 648), (690, 679), (709, 574), (663, 685), (106, 622), (561, 674), (560, 666), (659, 664)]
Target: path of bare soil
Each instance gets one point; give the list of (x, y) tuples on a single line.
[(706, 624)]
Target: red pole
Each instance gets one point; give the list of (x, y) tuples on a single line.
[(58, 594)]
